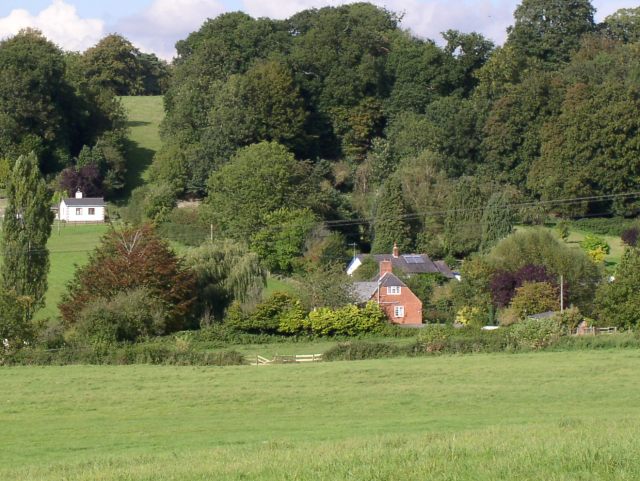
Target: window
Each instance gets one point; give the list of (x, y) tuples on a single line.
[(398, 311), (92, 211), (79, 211), (393, 290)]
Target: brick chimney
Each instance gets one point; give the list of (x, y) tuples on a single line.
[(385, 266), (396, 251)]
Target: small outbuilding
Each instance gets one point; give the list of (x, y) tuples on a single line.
[(82, 209)]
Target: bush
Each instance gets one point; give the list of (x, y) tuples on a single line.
[(154, 352), (630, 236), (535, 334), (127, 316), (350, 320), (280, 312), (535, 298), (357, 350)]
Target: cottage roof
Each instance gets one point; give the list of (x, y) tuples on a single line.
[(412, 263), (363, 291), (85, 202)]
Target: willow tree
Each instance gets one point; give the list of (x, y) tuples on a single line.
[(26, 229), (225, 271)]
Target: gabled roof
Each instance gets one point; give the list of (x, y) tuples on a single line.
[(412, 263), (85, 202), (364, 291)]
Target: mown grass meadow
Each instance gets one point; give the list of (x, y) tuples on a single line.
[(552, 416)]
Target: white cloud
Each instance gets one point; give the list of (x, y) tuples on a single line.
[(59, 22), (164, 22), (426, 18)]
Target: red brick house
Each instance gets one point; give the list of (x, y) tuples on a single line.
[(394, 297)]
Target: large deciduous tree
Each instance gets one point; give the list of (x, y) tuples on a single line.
[(26, 229), (550, 30), (258, 180)]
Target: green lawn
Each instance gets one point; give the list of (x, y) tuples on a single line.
[(68, 247), (144, 117), (542, 416)]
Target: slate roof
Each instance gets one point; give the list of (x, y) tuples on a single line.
[(412, 263), (363, 291), (86, 202)]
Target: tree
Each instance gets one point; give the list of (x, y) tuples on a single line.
[(535, 298), (258, 180), (16, 328), (550, 30), (470, 52), (462, 224), (390, 224), (26, 229), (114, 63), (225, 272), (541, 248), (497, 219), (618, 302), (132, 258), (35, 100), (282, 240), (623, 25)]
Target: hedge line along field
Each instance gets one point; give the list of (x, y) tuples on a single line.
[(552, 416)]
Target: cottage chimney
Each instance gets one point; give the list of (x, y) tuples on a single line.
[(79, 194), (396, 251), (385, 267)]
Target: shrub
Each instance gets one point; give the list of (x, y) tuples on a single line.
[(535, 334), (618, 302), (349, 320), (433, 338), (126, 317), (358, 350), (570, 318), (534, 298), (630, 236), (470, 316), (280, 312)]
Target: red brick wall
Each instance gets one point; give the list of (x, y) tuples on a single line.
[(412, 305)]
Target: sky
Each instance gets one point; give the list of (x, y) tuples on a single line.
[(156, 25)]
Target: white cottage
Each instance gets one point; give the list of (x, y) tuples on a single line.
[(82, 209)]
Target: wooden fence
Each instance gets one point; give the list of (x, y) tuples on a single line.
[(287, 359), (594, 331)]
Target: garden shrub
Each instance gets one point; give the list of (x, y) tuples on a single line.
[(535, 298), (349, 320), (127, 316), (535, 333)]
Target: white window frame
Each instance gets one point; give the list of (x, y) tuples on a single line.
[(398, 311), (394, 290), (78, 210)]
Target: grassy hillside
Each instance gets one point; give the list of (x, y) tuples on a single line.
[(486, 417), (144, 117)]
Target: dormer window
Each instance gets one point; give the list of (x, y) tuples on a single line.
[(394, 290)]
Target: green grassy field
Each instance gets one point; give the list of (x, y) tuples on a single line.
[(68, 247), (144, 117), (551, 416)]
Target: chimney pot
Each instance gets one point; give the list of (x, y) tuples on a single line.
[(396, 251)]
